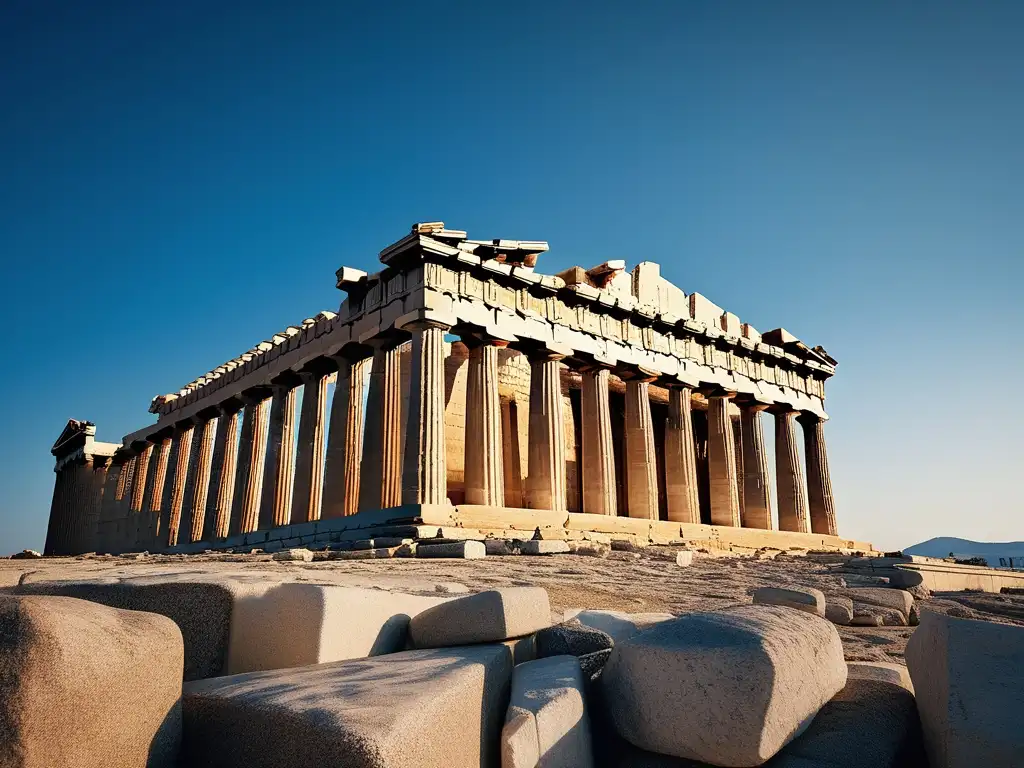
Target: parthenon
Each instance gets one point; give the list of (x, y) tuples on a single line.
[(470, 389)]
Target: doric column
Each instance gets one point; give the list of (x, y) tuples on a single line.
[(222, 473), (343, 463), (309, 459), (792, 503), (757, 503), (193, 506), (141, 475), (546, 481), (113, 481), (599, 492), (641, 463), (183, 455), (252, 452), (153, 504), (124, 504), (485, 479), (424, 468), (737, 442), (725, 504), (380, 485), (278, 473), (819, 483), (681, 458)]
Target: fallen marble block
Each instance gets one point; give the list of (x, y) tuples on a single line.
[(896, 599), (866, 620), (800, 598), (543, 547), (435, 707), (730, 688), (618, 625), (882, 671), (589, 548), (967, 676), (466, 550), (571, 638), (87, 686), (547, 723), (887, 617), (839, 610), (684, 558), (294, 555), (497, 614), (241, 624)]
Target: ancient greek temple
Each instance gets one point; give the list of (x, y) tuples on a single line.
[(459, 386)]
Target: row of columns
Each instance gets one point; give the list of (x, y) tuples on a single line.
[(199, 482)]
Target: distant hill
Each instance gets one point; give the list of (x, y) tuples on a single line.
[(943, 545)]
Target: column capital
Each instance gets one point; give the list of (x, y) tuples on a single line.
[(256, 394), (425, 318), (638, 374), (229, 406), (807, 417), (548, 352), (753, 406), (716, 392), (476, 338)]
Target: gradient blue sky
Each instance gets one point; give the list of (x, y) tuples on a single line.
[(180, 180)]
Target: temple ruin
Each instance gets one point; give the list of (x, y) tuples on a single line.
[(472, 393)]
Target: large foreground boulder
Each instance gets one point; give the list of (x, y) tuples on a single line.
[(970, 690), (547, 723), (87, 686), (440, 707), (497, 614), (730, 688), (238, 624)]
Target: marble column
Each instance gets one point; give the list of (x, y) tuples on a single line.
[(309, 459), (155, 484), (113, 482), (757, 502), (141, 474), (512, 455), (343, 463), (193, 507), (737, 442), (599, 492), (546, 481), (641, 463), (792, 502), (821, 503), (124, 504), (278, 474), (425, 468), (252, 453), (725, 504), (183, 441), (484, 462), (681, 459), (380, 484), (222, 473)]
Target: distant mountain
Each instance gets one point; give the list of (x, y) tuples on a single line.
[(943, 545)]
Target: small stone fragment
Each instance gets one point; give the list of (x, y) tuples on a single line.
[(684, 558), (589, 548), (294, 555), (571, 638), (885, 672)]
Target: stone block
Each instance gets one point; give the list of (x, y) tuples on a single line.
[(442, 707), (571, 638), (802, 598), (866, 620), (86, 685), (543, 547), (547, 723), (498, 614), (884, 672), (294, 555), (466, 550), (839, 610), (293, 625), (887, 617), (618, 625), (684, 559), (897, 599), (675, 689), (967, 677), (589, 548)]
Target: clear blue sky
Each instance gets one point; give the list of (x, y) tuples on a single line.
[(180, 180)]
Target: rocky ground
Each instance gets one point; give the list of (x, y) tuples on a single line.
[(634, 582)]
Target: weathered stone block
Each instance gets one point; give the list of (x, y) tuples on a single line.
[(967, 678), (86, 685), (466, 550), (802, 598), (884, 672), (684, 559), (498, 614), (897, 599), (405, 710), (543, 547), (887, 617), (675, 689), (618, 625), (547, 723), (839, 610), (294, 555), (571, 638)]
